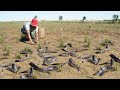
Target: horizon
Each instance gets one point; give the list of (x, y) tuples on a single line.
[(54, 15)]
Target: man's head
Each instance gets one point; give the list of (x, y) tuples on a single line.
[(34, 22), (35, 17)]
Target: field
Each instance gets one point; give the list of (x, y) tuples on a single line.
[(56, 33)]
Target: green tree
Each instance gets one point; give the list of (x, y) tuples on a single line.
[(84, 18), (60, 18), (115, 17)]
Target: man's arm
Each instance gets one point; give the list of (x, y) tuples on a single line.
[(38, 32), (37, 35), (28, 34)]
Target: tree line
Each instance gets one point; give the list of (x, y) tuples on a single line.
[(115, 18)]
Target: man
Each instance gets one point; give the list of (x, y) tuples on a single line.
[(30, 29)]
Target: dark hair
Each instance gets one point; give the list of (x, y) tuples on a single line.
[(35, 17)]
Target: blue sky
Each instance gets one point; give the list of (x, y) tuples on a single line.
[(53, 15)]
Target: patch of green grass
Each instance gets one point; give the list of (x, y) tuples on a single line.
[(27, 49), (1, 39), (39, 46), (106, 42), (61, 44), (85, 39), (87, 42), (7, 49), (99, 47), (18, 55)]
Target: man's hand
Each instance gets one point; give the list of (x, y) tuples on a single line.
[(32, 43)]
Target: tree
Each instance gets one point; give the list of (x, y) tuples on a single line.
[(115, 17), (60, 18), (84, 18)]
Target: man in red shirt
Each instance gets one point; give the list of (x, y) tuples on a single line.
[(31, 30)]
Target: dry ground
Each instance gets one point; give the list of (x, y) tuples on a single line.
[(72, 32)]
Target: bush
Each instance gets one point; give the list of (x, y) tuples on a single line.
[(27, 49), (8, 50), (39, 46), (106, 42), (18, 55), (87, 41)]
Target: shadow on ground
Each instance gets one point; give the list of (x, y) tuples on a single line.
[(24, 40)]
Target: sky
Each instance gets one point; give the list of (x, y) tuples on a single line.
[(53, 15)]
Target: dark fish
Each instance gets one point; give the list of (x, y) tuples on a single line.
[(63, 54), (14, 68), (107, 48), (37, 68), (72, 64), (27, 71), (101, 71), (51, 51), (104, 69), (69, 44), (72, 54), (5, 65), (62, 64), (40, 54), (94, 60), (51, 68), (53, 59), (22, 60), (25, 52), (105, 63), (86, 57), (27, 76), (49, 60), (64, 49), (30, 71), (43, 50), (80, 50), (109, 62), (116, 59)]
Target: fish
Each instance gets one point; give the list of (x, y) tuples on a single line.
[(35, 67), (72, 64), (30, 71), (63, 54), (68, 44), (107, 48), (94, 60), (47, 61), (72, 54), (43, 50), (105, 69), (22, 60), (109, 62), (116, 59), (101, 71), (14, 68), (25, 52), (62, 64), (64, 49)]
